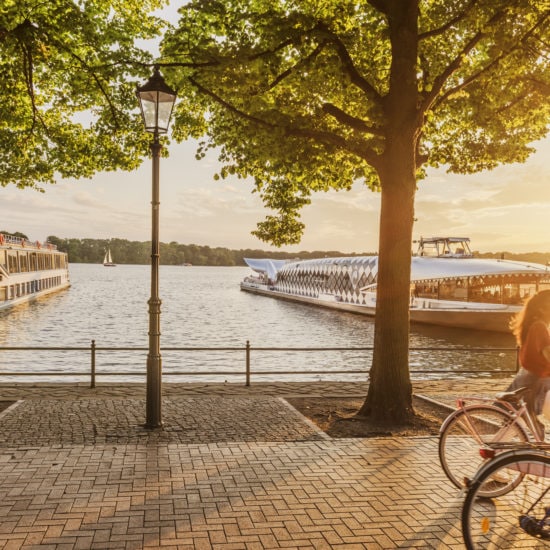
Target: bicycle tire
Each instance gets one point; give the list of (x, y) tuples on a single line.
[(518, 518), (459, 450)]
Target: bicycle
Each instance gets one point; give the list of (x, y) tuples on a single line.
[(468, 434), (521, 517)]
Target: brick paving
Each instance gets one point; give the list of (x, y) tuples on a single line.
[(233, 468)]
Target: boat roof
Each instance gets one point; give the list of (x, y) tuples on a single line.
[(423, 268), (442, 239), (265, 265), (429, 269)]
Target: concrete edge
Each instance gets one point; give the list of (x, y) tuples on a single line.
[(435, 403), (10, 408), (306, 420)]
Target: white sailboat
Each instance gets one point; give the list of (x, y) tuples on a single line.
[(108, 260)]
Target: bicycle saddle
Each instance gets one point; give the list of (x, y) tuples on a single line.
[(513, 396)]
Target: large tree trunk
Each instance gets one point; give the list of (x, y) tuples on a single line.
[(389, 397)]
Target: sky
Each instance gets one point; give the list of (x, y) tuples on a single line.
[(506, 209)]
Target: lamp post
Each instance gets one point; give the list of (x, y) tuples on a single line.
[(156, 100)]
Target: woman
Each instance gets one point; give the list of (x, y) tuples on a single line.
[(531, 327)]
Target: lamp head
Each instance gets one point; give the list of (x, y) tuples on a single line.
[(156, 100)]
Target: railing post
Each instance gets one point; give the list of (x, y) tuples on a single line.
[(247, 363), (92, 380)]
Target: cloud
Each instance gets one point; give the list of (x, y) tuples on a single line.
[(86, 199)]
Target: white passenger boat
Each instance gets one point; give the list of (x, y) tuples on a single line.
[(449, 287), (29, 270)]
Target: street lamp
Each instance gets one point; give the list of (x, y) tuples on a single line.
[(156, 100)]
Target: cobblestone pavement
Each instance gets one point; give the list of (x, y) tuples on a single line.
[(233, 468)]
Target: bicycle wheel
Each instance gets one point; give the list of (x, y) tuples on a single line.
[(519, 519), (465, 432)]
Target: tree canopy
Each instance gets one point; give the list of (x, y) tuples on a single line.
[(305, 96), (69, 70)]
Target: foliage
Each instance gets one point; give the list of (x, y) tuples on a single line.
[(135, 252), (300, 94), (16, 234), (70, 108)]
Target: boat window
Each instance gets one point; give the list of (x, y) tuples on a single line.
[(13, 264), (23, 263)]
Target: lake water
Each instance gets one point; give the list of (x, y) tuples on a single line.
[(204, 307)]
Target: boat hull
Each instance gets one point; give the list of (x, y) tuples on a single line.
[(28, 298), (494, 320)]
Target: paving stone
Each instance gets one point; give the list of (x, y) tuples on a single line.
[(234, 467)]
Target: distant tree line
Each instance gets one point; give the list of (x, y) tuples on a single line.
[(534, 257), (173, 253), (135, 252)]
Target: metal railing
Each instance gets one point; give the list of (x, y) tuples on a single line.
[(92, 349)]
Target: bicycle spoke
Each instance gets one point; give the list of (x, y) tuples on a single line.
[(518, 519)]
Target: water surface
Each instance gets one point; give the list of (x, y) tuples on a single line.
[(204, 307)]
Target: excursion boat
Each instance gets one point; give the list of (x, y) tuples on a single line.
[(449, 287), (30, 270)]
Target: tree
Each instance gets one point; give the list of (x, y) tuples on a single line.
[(305, 96), (15, 234), (72, 67)]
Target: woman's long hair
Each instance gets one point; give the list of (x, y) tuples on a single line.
[(528, 315)]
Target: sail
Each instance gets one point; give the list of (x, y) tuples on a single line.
[(108, 260)]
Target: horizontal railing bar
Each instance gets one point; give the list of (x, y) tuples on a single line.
[(238, 373), (41, 348), (462, 371), (45, 373), (370, 348)]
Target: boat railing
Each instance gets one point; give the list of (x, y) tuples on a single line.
[(93, 349), (12, 240)]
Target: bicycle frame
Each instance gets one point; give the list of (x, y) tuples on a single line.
[(516, 414)]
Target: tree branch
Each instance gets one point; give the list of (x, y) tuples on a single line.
[(380, 5), (465, 83), (90, 71), (300, 63), (349, 67), (449, 24), (265, 53), (351, 121), (439, 100), (543, 87), (327, 138), (231, 108), (454, 65)]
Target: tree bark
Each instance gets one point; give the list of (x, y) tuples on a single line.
[(389, 398)]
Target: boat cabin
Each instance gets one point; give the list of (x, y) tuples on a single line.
[(444, 247), (440, 277)]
